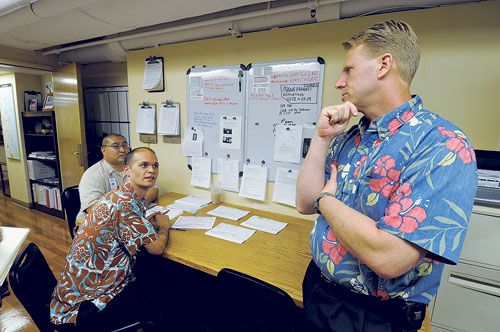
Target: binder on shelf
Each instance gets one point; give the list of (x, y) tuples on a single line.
[(153, 74)]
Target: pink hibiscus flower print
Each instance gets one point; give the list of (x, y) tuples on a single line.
[(389, 176), (404, 213), (333, 248), (458, 145)]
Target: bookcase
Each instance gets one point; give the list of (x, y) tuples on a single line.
[(40, 139)]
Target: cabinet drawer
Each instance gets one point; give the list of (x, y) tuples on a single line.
[(482, 243), (468, 299)]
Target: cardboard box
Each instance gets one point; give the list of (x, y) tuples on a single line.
[(38, 170)]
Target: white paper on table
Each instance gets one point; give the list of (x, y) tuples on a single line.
[(171, 213), (264, 224), (146, 119), (193, 142), (287, 143), (194, 222), (230, 132), (201, 171), (196, 200), (191, 208), (12, 239), (229, 174), (153, 75), (168, 122), (285, 186), (227, 212), (231, 233), (254, 182)]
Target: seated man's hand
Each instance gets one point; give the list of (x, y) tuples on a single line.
[(162, 221)]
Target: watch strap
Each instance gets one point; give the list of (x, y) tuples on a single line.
[(318, 197)]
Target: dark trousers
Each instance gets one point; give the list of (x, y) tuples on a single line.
[(142, 300), (329, 307)]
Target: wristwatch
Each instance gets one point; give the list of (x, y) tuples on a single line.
[(318, 197)]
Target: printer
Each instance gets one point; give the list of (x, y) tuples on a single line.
[(488, 189)]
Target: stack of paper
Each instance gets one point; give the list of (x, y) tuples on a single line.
[(194, 222), (231, 233), (171, 213), (190, 204), (227, 212), (264, 224), (168, 123)]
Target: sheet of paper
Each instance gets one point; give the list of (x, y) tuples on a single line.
[(287, 143), (196, 200), (168, 122), (254, 182), (146, 119), (264, 224), (285, 186), (196, 87), (171, 213), (193, 142), (229, 174), (227, 212), (184, 222), (191, 208), (230, 132), (12, 240), (231, 233), (153, 75), (201, 171)]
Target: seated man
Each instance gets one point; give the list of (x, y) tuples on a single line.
[(106, 175), (98, 290)]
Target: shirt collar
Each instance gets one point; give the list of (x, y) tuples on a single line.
[(128, 187), (386, 124), (109, 169)]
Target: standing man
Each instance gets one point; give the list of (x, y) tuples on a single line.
[(394, 192), (106, 174), (97, 290)]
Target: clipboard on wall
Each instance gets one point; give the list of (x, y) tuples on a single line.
[(146, 122), (169, 122), (153, 75)]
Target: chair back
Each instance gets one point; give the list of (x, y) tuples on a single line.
[(250, 304), (71, 204), (33, 282)]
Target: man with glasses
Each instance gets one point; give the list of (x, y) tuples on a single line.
[(106, 175)]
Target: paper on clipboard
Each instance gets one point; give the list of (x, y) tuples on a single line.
[(146, 119), (168, 122), (153, 74)]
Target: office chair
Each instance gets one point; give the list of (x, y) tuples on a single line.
[(250, 304), (33, 282), (71, 204)]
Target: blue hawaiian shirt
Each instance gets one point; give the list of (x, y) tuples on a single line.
[(415, 175)]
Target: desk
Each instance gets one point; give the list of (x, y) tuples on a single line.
[(280, 260), (12, 239)]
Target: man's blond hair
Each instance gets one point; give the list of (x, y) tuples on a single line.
[(394, 37)]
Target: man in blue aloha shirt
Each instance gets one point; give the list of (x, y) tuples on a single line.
[(394, 192)]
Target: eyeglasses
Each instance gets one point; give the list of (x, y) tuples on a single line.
[(117, 146)]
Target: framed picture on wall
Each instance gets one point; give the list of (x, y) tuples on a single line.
[(32, 101), (48, 105)]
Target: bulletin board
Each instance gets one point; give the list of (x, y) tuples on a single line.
[(287, 93), (216, 96), (9, 123)]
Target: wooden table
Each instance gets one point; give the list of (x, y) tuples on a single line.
[(280, 260)]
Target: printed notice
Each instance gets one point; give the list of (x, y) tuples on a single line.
[(254, 182), (230, 132)]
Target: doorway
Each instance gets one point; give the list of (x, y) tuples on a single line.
[(106, 112)]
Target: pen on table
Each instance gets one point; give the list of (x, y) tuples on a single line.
[(177, 229)]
